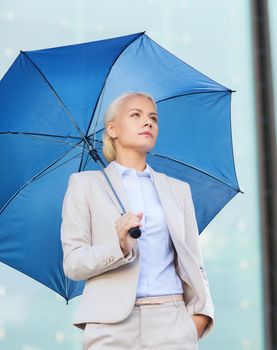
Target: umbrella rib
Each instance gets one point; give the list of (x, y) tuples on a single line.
[(190, 65), (104, 83), (41, 136), (58, 98), (100, 95), (185, 94), (37, 176), (97, 118), (194, 93), (86, 161), (186, 164), (193, 167), (96, 133), (37, 133)]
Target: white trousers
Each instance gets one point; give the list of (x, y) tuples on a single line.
[(166, 326)]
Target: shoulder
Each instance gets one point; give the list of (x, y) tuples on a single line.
[(177, 184), (83, 176), (174, 183), (179, 189)]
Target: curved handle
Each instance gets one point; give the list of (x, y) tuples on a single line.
[(135, 232)]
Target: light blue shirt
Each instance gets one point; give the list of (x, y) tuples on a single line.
[(157, 275)]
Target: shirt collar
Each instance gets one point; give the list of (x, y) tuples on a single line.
[(121, 169)]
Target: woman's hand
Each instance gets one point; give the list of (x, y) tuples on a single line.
[(122, 225), (201, 322)]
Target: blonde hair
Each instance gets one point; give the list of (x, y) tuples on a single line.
[(108, 142)]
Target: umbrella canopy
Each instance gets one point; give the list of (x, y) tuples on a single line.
[(52, 103)]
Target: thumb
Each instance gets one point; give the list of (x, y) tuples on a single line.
[(140, 214)]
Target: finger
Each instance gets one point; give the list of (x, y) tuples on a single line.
[(132, 224)]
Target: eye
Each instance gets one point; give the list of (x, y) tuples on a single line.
[(155, 119), (134, 114)]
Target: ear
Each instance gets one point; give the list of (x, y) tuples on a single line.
[(111, 130)]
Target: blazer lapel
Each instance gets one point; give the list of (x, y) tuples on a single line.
[(118, 187), (171, 213)]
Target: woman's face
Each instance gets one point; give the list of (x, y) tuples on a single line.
[(135, 116)]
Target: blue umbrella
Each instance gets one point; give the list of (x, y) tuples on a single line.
[(52, 103)]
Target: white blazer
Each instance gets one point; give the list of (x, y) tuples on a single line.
[(91, 249)]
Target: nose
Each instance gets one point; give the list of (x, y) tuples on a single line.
[(149, 122)]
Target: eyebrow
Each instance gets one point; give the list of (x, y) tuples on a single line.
[(136, 109)]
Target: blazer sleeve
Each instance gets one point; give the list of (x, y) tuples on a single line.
[(81, 258), (192, 240)]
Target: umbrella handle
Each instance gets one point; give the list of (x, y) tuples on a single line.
[(135, 232)]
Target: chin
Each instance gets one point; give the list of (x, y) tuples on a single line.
[(142, 147)]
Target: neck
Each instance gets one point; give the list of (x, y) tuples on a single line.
[(132, 160)]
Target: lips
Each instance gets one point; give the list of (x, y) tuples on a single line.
[(146, 133)]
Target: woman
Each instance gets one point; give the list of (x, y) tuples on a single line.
[(150, 292)]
